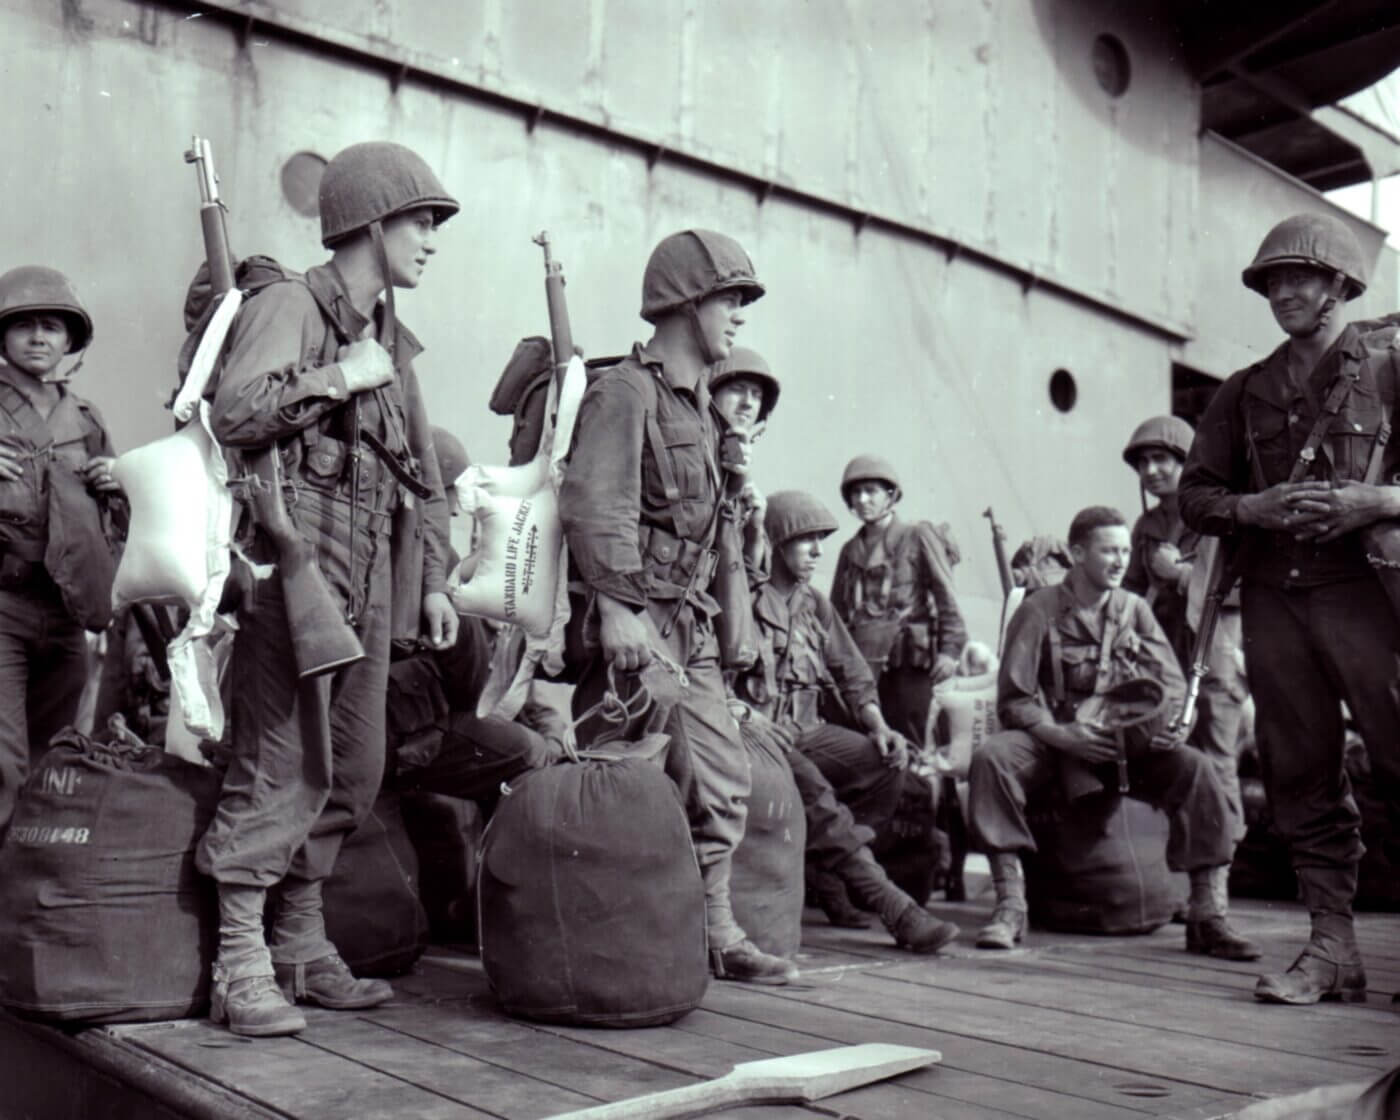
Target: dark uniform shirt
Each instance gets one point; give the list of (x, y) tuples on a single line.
[(639, 498), (1250, 438), (279, 380), (1026, 684), (805, 651), (895, 593)]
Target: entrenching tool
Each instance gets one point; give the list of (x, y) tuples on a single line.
[(797, 1078)]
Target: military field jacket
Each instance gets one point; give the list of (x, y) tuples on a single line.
[(895, 594), (805, 651), (639, 499), (1026, 682), (279, 383), (1252, 433)]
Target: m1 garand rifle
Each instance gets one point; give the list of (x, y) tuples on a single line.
[(560, 333), (1220, 578), (999, 547), (322, 639)]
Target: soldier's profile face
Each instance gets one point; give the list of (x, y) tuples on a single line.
[(801, 555), (36, 344), (1102, 557), (720, 316), (408, 243)]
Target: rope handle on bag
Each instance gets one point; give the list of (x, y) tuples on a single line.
[(613, 709)]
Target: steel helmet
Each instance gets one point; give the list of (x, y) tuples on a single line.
[(1170, 433), (1137, 706), (743, 362), (869, 468), (691, 265), (1317, 240), (795, 513), (31, 288), (375, 180), (452, 457)]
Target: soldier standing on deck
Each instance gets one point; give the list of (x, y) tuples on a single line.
[(893, 589), (1280, 468), (640, 504), (55, 480), (309, 754), (1165, 560)]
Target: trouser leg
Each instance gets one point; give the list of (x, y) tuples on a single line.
[(1357, 629), (856, 770), (58, 673), (1183, 784), (18, 629), (706, 758), (1298, 720), (477, 755), (1217, 730), (1008, 768), (906, 695)]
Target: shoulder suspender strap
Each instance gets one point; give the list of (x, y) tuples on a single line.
[(1373, 465), (1057, 657), (663, 464), (25, 416), (1111, 622), (1333, 405)]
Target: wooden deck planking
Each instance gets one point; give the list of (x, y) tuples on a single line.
[(293, 1076), (1292, 1032), (1071, 1027), (1004, 1071)]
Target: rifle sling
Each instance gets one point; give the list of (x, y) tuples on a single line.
[(395, 466)]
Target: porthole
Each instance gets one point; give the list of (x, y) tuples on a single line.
[(1063, 391), (1112, 68), (301, 182)]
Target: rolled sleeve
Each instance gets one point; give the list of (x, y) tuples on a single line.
[(847, 664), (1020, 703)]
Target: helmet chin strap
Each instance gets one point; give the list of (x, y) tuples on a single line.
[(388, 328), (692, 312), (1329, 304)]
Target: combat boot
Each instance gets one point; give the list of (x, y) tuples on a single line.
[(1313, 977), (1207, 931), (1008, 924), (1213, 937), (747, 963), (920, 932), (253, 1006), (1006, 929), (328, 982)]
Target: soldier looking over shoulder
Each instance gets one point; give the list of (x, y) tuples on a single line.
[(1289, 467)]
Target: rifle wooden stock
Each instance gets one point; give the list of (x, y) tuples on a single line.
[(322, 639)]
